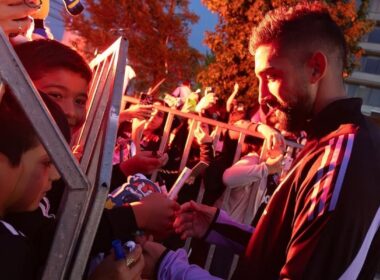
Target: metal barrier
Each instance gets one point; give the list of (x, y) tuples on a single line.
[(98, 137), (72, 216), (85, 194), (218, 126)]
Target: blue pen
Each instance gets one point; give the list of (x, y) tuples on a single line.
[(118, 248)]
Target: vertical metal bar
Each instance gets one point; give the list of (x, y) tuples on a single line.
[(14, 75), (95, 99), (210, 257), (97, 117), (227, 192), (187, 147), (164, 140), (107, 144), (234, 264), (199, 200), (218, 131)]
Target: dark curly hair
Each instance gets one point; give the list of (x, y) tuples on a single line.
[(304, 28)]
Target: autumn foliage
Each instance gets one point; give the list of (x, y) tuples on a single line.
[(229, 42), (157, 31)]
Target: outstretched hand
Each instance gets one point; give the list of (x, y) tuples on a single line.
[(113, 269), (14, 16), (138, 111), (152, 252), (143, 162), (275, 142), (193, 219), (206, 102), (155, 213)]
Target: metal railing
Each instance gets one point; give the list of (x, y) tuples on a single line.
[(13, 74), (88, 184)]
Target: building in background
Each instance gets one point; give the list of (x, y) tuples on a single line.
[(365, 82)]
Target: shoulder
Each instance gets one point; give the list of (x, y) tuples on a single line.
[(6, 229), (16, 260)]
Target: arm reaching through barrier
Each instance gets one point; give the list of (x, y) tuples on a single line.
[(120, 269), (143, 162), (193, 220), (14, 16), (155, 213)]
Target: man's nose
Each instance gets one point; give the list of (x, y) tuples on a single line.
[(263, 93)]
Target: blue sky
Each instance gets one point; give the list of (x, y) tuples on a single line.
[(207, 21)]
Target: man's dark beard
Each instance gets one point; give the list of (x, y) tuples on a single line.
[(290, 118)]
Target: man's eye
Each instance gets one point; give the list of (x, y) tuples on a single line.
[(271, 77)]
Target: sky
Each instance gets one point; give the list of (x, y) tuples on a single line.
[(207, 21)]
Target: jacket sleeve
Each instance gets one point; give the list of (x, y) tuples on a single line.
[(226, 232), (175, 265), (117, 223), (206, 152)]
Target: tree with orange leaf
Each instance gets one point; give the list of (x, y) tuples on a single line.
[(229, 42), (157, 32)]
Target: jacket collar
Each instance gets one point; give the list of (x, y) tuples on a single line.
[(339, 112)]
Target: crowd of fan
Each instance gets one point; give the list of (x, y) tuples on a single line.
[(31, 188)]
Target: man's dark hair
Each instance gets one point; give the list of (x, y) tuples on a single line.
[(305, 26), (40, 56), (18, 134)]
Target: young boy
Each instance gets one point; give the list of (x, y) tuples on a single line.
[(26, 174), (62, 74)]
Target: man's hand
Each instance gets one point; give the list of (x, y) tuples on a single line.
[(155, 213), (143, 162), (274, 164), (113, 269), (193, 219), (275, 142), (152, 252), (14, 16), (206, 102)]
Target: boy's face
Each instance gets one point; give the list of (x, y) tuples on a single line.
[(35, 173), (69, 90)]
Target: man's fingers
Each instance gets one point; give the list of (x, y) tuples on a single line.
[(17, 11), (137, 268), (184, 227), (183, 218)]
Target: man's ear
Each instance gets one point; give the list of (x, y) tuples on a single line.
[(317, 64)]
